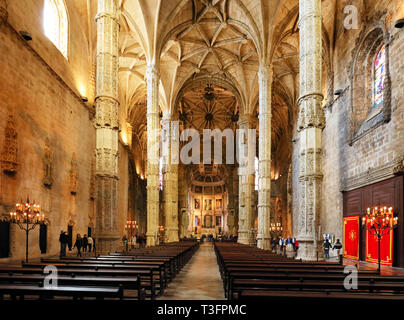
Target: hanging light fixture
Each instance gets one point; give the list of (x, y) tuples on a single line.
[(209, 92)]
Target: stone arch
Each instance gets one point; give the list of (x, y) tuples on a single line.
[(215, 80), (362, 116)]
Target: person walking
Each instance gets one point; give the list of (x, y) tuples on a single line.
[(327, 245), (78, 244), (273, 245), (85, 243), (296, 246), (338, 246), (289, 247), (125, 242), (281, 245), (63, 239), (89, 243)]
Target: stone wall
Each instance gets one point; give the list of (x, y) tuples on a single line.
[(41, 90), (348, 164)]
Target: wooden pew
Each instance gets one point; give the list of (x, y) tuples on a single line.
[(76, 292), (246, 271), (341, 297), (154, 273), (146, 277), (127, 283)]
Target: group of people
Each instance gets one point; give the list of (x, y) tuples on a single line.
[(140, 240), (327, 245), (85, 243), (284, 245)]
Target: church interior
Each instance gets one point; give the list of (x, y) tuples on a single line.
[(229, 134)]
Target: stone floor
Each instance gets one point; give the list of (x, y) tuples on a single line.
[(384, 270), (198, 280)]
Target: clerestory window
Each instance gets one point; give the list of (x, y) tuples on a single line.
[(55, 24)]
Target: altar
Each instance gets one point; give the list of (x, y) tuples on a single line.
[(208, 231)]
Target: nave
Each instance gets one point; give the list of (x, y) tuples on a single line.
[(199, 279)]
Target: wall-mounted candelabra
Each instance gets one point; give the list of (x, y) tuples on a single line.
[(27, 216)]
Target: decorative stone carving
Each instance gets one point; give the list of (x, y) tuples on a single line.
[(373, 34), (310, 124), (246, 190), (73, 175), (170, 190), (47, 165), (231, 220), (9, 155), (265, 75), (92, 181), (107, 126), (399, 166), (152, 81), (373, 175)]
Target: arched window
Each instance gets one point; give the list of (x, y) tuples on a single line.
[(370, 85), (55, 24), (379, 73)]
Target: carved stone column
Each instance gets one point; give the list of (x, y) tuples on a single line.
[(170, 180), (3, 12), (152, 78), (264, 183), (246, 190), (106, 124), (310, 125)]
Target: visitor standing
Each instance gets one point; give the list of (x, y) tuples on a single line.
[(89, 243), (327, 245), (281, 244), (296, 247), (338, 246), (85, 243), (125, 242), (78, 244), (63, 239)]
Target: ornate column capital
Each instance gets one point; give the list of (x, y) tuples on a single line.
[(152, 71), (107, 9), (265, 72), (247, 120)]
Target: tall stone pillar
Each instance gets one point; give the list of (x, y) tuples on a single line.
[(106, 124), (264, 183), (170, 180), (152, 78), (246, 189), (310, 125)]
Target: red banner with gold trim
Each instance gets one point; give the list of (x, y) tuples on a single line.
[(386, 248), (351, 237)]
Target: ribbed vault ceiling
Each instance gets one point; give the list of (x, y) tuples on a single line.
[(218, 42)]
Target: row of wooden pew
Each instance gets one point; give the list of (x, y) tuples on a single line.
[(136, 274), (251, 273)]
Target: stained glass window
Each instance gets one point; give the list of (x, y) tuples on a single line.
[(55, 24), (379, 75)]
